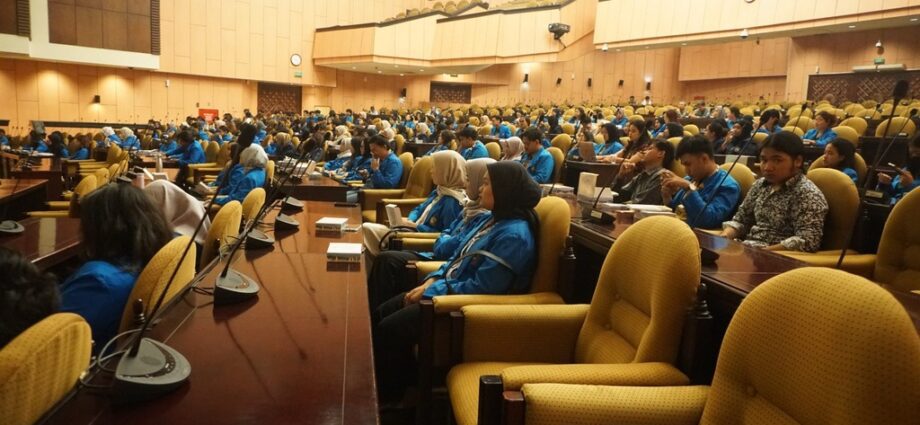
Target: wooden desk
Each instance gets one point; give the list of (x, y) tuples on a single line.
[(573, 169), (49, 169), (300, 353), (418, 149), (46, 241), (869, 146), (17, 196), (322, 189)]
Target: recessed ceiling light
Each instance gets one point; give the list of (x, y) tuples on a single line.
[(851, 26), (353, 68), (683, 44), (914, 19), (646, 47), (395, 66), (402, 75), (379, 71), (618, 50), (421, 70)]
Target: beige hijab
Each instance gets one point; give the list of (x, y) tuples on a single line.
[(449, 173), (182, 211), (514, 149), (475, 173)]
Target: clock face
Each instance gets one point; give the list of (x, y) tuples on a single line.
[(296, 59)]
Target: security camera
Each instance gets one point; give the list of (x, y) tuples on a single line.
[(744, 34), (559, 30)]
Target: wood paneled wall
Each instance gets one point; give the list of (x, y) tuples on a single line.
[(7, 17), (110, 24), (752, 58), (734, 89)]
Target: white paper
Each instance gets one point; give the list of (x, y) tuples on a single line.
[(587, 183)]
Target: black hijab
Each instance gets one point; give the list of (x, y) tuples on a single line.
[(515, 192)]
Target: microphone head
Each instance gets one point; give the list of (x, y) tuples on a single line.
[(912, 112), (900, 89)]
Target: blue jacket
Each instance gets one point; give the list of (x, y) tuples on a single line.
[(776, 129), (721, 207), (896, 190), (442, 214), (510, 240), (659, 130), (131, 144), (478, 150), (502, 132), (622, 122), (335, 164), (458, 231), (851, 173), (388, 175), (609, 148), (4, 141), (238, 189), (540, 165), (82, 153), (42, 147), (826, 137), (192, 154), (168, 146), (355, 165), (437, 148), (260, 135), (98, 291), (236, 173), (203, 135)]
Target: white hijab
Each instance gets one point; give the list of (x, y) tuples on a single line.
[(476, 170), (182, 211), (253, 157), (514, 149), (449, 174)]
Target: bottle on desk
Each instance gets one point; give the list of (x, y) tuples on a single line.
[(159, 162)]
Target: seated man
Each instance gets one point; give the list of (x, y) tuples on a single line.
[(386, 169), (704, 181), (499, 129), (538, 162), (783, 210), (470, 147), (189, 152), (645, 187), (905, 180), (26, 295)]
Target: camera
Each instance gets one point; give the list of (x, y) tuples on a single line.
[(559, 30), (744, 34)]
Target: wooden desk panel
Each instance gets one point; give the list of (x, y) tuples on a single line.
[(322, 189), (418, 149), (46, 241), (44, 168), (573, 170), (17, 196)]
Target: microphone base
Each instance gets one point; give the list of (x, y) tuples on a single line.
[(11, 227), (234, 288), (286, 222), (708, 257), (292, 203), (257, 239), (601, 217), (157, 369)]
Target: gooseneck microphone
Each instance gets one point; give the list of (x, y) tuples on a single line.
[(801, 112)]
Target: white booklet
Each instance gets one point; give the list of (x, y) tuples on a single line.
[(394, 216)]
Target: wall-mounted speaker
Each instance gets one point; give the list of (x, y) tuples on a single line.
[(402, 93), (558, 81), (648, 86), (526, 77), (589, 82), (620, 84)]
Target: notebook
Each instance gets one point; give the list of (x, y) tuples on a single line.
[(394, 216)]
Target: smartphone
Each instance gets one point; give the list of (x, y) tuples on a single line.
[(899, 170)]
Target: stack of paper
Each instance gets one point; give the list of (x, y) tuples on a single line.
[(344, 252)]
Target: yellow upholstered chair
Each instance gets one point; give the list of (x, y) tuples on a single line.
[(269, 173), (102, 177), (156, 274), (798, 131), (415, 187), (905, 125), (861, 167), (562, 141), (844, 351), (495, 150), (629, 335), (199, 171), (693, 129), (41, 365), (484, 130), (224, 229), (568, 128), (847, 133), (743, 175), (842, 199), (211, 151), (675, 166), (252, 203), (400, 142), (558, 162), (803, 122), (61, 209), (86, 185)]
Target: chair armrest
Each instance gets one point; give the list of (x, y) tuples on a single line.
[(59, 205), (626, 374), (521, 333), (202, 165), (417, 245), (198, 173), (583, 404), (859, 264), (427, 267), (49, 214), (372, 196), (449, 303), (417, 235)]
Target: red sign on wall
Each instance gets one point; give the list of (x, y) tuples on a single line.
[(209, 115)]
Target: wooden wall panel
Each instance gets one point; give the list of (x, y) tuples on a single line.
[(766, 58), (110, 24), (7, 17)]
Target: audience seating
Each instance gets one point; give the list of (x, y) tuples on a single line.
[(224, 228), (156, 275), (61, 209), (558, 161), (415, 187), (252, 203), (563, 142), (905, 125), (798, 131), (861, 167), (495, 150), (856, 123), (847, 133), (743, 175)]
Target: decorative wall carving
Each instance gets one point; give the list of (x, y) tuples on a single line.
[(451, 93), (279, 98), (863, 86)]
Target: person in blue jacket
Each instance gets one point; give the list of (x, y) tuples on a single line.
[(438, 211), (37, 143), (57, 147), (27, 294), (168, 143), (822, 133), (129, 140), (470, 147), (361, 161), (385, 169), (704, 177), (840, 154), (252, 161), (121, 231), (612, 144), (83, 152), (445, 138), (4, 141), (500, 129), (769, 122), (620, 120), (658, 126), (537, 160), (497, 258), (189, 152), (906, 180)]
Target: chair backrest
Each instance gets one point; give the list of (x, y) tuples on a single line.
[(114, 170), (759, 138), (113, 154), (485, 130), (102, 177), (223, 155), (898, 262), (41, 365), (905, 125), (562, 141), (558, 161), (861, 168), (269, 172), (211, 151), (153, 279), (495, 150), (253, 202), (86, 185), (842, 200), (798, 131), (400, 143), (419, 183), (803, 122), (555, 219), (408, 162), (599, 139), (847, 133), (675, 166), (693, 129), (569, 129), (843, 351), (743, 175), (646, 284), (224, 227)]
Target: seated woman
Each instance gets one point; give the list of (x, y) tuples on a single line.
[(840, 155), (253, 161), (442, 207), (281, 145), (509, 236), (445, 138), (361, 160), (639, 140), (26, 295), (182, 211), (769, 122), (906, 179), (56, 145), (612, 143), (83, 152), (738, 141), (512, 149), (422, 133), (122, 229), (342, 158), (822, 133)]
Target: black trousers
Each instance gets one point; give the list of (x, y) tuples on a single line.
[(388, 277), (396, 332)]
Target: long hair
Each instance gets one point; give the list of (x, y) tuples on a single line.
[(847, 150)]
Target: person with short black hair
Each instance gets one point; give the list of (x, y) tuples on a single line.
[(645, 187), (734, 114), (499, 129), (189, 152), (822, 133), (783, 209), (537, 160), (840, 155), (385, 170), (715, 134), (470, 147), (27, 295), (612, 145), (445, 138), (701, 184), (906, 180), (121, 231), (769, 122)]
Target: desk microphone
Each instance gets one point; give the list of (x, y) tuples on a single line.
[(878, 108), (598, 215), (150, 368), (801, 112)]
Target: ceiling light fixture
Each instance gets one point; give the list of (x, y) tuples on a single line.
[(851, 26)]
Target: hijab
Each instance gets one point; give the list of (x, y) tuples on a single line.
[(253, 157), (475, 173), (182, 211), (449, 174), (514, 149), (515, 192)]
